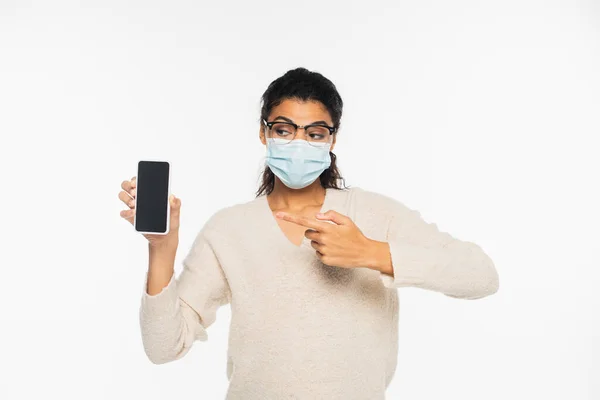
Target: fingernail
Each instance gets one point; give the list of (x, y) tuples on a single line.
[(320, 215)]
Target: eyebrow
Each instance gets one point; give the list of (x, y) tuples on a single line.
[(290, 121)]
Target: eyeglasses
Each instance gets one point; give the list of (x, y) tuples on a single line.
[(316, 134)]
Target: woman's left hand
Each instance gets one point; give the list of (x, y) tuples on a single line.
[(341, 244)]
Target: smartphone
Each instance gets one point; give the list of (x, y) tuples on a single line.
[(152, 209)]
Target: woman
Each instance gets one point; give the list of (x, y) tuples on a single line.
[(309, 268)]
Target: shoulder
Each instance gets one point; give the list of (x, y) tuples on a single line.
[(378, 202), (232, 215)]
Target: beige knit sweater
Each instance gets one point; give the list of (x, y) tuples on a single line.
[(301, 329)]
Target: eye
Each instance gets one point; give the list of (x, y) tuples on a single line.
[(282, 129), (282, 132), (318, 133)]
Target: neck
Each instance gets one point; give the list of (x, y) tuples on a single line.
[(295, 200)]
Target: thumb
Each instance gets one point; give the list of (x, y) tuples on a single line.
[(175, 203)]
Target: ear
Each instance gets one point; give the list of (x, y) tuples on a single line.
[(333, 143), (261, 135)]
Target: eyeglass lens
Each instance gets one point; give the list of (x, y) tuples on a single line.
[(313, 134)]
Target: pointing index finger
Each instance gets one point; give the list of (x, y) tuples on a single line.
[(304, 221)]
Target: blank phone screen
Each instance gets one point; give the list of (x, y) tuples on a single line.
[(152, 196)]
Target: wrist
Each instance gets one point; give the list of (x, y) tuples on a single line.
[(379, 257), (164, 246)]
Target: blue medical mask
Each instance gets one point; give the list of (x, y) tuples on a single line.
[(297, 163)]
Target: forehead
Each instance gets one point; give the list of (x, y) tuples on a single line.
[(301, 112)]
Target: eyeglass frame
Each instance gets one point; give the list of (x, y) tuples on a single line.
[(269, 125)]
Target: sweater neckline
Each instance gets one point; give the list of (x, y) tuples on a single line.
[(281, 237)]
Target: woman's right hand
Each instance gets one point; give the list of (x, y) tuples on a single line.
[(127, 196)]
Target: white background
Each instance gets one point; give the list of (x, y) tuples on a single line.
[(484, 116)]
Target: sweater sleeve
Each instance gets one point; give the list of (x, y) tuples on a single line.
[(425, 257), (173, 319)]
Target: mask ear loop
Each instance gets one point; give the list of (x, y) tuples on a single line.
[(260, 169), (268, 144), (263, 160), (263, 165)]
